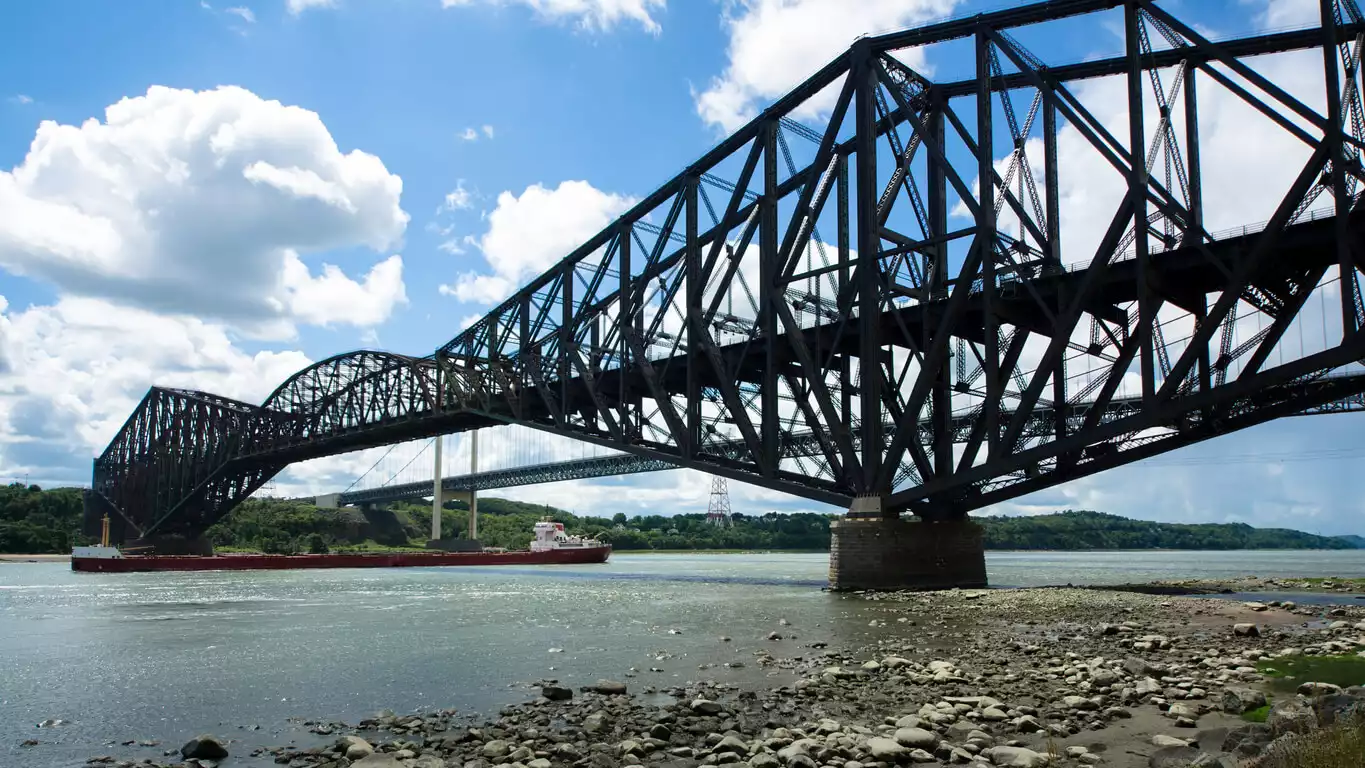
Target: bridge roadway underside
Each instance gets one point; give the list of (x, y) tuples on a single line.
[(1183, 275)]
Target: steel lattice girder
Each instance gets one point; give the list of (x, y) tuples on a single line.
[(714, 326)]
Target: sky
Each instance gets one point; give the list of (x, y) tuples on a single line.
[(212, 195)]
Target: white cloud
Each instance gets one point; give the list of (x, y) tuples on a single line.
[(469, 134), (299, 6), (775, 44), (488, 131), (457, 199), (529, 233), (201, 203), (71, 372), (245, 13), (593, 15), (21, 99)]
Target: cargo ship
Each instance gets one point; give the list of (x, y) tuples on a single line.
[(551, 546)]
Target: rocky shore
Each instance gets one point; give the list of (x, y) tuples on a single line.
[(1001, 678)]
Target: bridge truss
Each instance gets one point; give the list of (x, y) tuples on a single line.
[(982, 257)]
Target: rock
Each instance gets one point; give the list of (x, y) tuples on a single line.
[(765, 760), (994, 714), (1247, 741), (378, 760), (706, 707), (630, 747), (1173, 757), (1246, 630), (556, 692), (1186, 711), (886, 749), (1138, 667), (1015, 757), (539, 762), (595, 722), (1076, 751), (607, 687), (1318, 689), (1239, 700), (731, 743), (1339, 707), (1258, 607), (204, 747), (774, 636), (660, 732), (916, 737), (1078, 702), (1027, 724), (496, 748), (1163, 741), (921, 756), (1291, 716), (358, 749)]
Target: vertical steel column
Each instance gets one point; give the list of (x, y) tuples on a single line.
[(941, 408), (436, 500), (843, 296), (1053, 256), (473, 491), (985, 240), (566, 342), (1137, 190), (624, 319), (695, 330), (768, 272), (868, 276), (1194, 228), (1337, 153)]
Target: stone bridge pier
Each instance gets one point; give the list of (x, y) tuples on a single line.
[(873, 548)]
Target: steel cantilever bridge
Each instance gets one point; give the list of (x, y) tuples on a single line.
[(830, 303)]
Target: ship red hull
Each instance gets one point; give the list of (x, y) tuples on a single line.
[(140, 563)]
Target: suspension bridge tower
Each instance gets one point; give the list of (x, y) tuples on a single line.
[(718, 511)]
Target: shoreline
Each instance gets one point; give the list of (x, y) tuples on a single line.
[(41, 558), (1019, 678)]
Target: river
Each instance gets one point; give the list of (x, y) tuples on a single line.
[(168, 655)]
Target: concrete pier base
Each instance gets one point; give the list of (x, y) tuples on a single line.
[(884, 553)]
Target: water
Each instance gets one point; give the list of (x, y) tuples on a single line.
[(167, 655)]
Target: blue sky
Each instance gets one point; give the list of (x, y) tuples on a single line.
[(463, 145)]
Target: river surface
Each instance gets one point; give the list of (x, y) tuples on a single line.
[(168, 655)]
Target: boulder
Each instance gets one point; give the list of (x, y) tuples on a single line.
[(886, 749), (607, 688), (1015, 757), (204, 747), (1246, 630), (916, 737), (1162, 741), (1239, 700), (1291, 716), (1079, 702), (495, 749), (1247, 741), (731, 744), (378, 760), (556, 692), (706, 707), (1318, 689)]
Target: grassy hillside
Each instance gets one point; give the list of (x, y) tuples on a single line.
[(33, 520)]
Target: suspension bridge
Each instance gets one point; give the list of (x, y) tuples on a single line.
[(895, 294)]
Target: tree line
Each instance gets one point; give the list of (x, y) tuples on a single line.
[(33, 520)]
